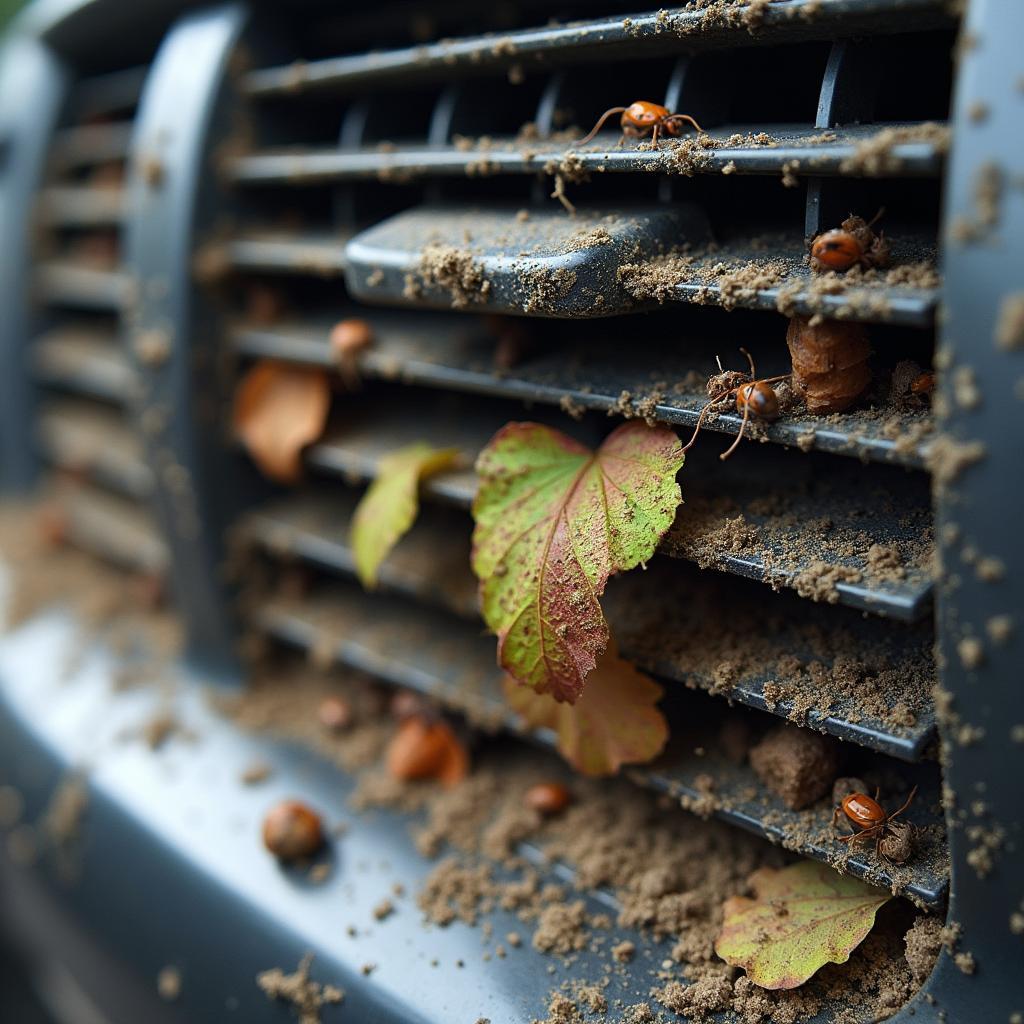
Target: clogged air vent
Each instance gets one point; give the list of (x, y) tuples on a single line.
[(726, 215), (86, 385)]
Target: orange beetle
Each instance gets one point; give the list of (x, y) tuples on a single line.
[(868, 817), (758, 399), (854, 243), (754, 397), (923, 384), (642, 118)]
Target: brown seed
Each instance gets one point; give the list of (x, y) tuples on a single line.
[(291, 831), (53, 525), (406, 704), (149, 590), (547, 797), (423, 749), (334, 714), (264, 305), (349, 338)]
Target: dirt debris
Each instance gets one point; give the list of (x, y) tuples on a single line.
[(797, 764), (1010, 325), (306, 996), (452, 270), (876, 155)]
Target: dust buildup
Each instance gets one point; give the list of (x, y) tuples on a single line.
[(290, 711), (1010, 325), (562, 928), (876, 155), (798, 765), (669, 873), (948, 457), (168, 983), (306, 996), (698, 1001), (453, 270), (108, 604)]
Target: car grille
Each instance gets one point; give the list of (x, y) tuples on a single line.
[(356, 159)]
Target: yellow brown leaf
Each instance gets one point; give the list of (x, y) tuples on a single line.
[(279, 409)]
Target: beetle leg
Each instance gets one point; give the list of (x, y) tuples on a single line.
[(743, 427)]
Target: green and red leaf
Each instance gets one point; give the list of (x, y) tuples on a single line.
[(553, 521), (388, 508), (615, 722), (801, 918)]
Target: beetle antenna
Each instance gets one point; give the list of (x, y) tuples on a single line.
[(877, 217), (750, 359), (905, 806), (600, 124), (682, 117)]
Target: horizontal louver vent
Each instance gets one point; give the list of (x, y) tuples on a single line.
[(794, 584)]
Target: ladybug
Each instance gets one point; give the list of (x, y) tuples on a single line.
[(643, 118)]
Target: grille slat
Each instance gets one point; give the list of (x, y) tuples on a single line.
[(410, 646), (801, 151), (83, 145), (83, 438), (65, 282), (698, 281), (83, 360), (453, 357), (602, 39), (113, 529), (82, 206), (285, 253)]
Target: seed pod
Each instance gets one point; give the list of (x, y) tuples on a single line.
[(422, 749), (334, 714), (898, 843), (406, 704), (53, 525), (349, 340), (547, 797), (830, 363), (291, 831)]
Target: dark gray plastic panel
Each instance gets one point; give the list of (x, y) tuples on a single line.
[(494, 258)]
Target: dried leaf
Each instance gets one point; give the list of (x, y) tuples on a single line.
[(279, 409), (802, 917), (389, 506), (615, 722), (553, 521)]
